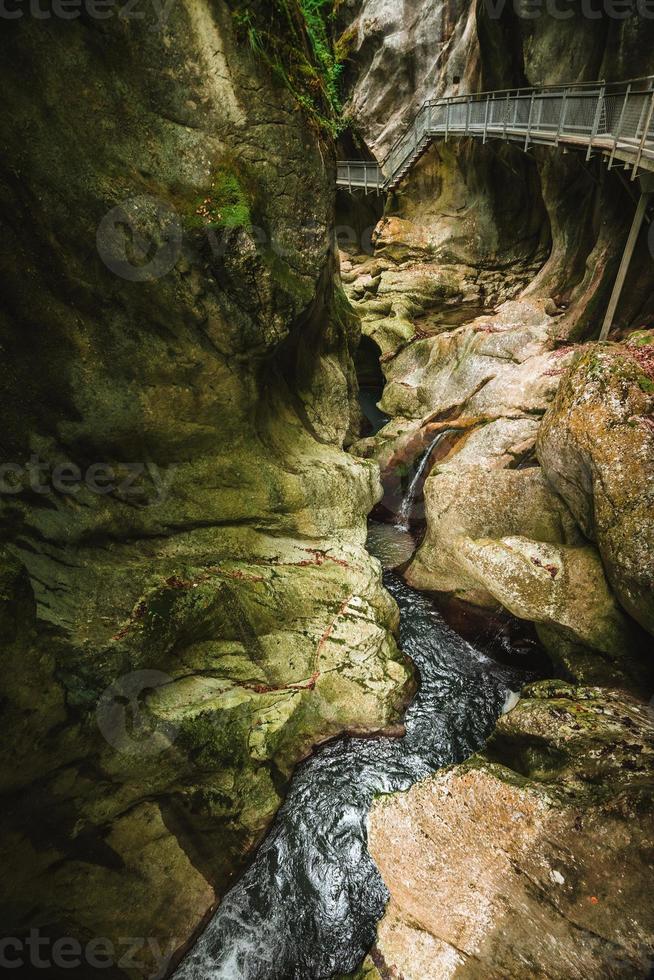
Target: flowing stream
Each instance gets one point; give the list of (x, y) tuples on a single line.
[(307, 907)]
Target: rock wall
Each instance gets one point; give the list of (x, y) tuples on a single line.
[(490, 279), (596, 446), (498, 529), (187, 604), (492, 206), (471, 227)]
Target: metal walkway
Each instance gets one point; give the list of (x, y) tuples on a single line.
[(614, 119)]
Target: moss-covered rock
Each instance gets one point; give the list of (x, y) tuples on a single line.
[(596, 446), (196, 610)]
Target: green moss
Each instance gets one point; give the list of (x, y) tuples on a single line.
[(214, 738), (367, 971), (316, 13), (345, 43), (641, 338), (347, 322), (646, 384), (225, 205), (293, 37), (287, 278)]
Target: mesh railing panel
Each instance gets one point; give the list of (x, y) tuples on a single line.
[(577, 113), (359, 174)]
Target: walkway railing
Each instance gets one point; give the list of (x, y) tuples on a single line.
[(615, 119), (360, 174)]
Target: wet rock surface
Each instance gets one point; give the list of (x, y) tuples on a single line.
[(527, 860), (495, 530), (532, 859), (233, 589), (309, 904)]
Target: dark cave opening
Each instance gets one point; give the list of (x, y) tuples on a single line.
[(371, 386)]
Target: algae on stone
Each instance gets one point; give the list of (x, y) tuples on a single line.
[(230, 580), (596, 446)]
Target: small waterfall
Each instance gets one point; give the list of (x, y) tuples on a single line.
[(406, 509)]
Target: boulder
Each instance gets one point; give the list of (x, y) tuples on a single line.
[(596, 447), (528, 859), (498, 536)]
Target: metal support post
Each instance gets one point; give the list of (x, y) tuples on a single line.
[(596, 122), (618, 130), (564, 106), (648, 120), (636, 225), (531, 110)]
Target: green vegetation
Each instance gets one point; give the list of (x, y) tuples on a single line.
[(344, 45), (225, 204), (217, 737), (293, 37), (315, 14), (641, 338)]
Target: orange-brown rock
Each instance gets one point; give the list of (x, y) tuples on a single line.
[(528, 860)]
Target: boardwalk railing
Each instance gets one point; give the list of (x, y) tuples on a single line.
[(615, 119), (360, 174)]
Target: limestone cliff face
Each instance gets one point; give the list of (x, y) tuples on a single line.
[(473, 226), (184, 622), (401, 54), (490, 266), (492, 206)]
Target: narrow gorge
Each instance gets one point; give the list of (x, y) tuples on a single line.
[(328, 518)]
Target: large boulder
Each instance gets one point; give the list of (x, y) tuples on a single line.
[(498, 536), (528, 859), (596, 446)]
